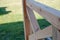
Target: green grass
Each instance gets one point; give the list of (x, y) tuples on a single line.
[(11, 23), (12, 31)]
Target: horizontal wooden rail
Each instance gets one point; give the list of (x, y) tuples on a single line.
[(37, 5), (50, 14)]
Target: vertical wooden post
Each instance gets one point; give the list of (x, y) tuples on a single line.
[(26, 21), (58, 35), (54, 33)]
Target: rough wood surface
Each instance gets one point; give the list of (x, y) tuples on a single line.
[(34, 24), (48, 13), (39, 5), (26, 21), (47, 32)]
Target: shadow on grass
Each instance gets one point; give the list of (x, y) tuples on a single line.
[(12, 31), (15, 30), (3, 11)]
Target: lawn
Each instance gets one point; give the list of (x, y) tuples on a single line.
[(11, 20)]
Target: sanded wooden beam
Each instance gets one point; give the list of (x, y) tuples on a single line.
[(40, 5), (50, 14), (34, 24), (58, 35), (26, 22), (54, 33), (47, 32)]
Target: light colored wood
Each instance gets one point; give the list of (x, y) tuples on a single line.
[(34, 24), (40, 39), (47, 32), (31, 37), (26, 22), (48, 13), (44, 7), (56, 33)]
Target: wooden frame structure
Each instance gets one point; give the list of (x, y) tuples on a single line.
[(31, 27)]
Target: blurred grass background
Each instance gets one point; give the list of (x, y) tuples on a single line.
[(11, 18)]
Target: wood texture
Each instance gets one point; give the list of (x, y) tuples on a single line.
[(48, 13), (26, 22), (47, 32), (56, 33), (34, 24), (35, 4)]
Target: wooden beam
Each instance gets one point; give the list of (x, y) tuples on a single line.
[(26, 22), (37, 5), (47, 32), (50, 14), (34, 24), (56, 33)]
